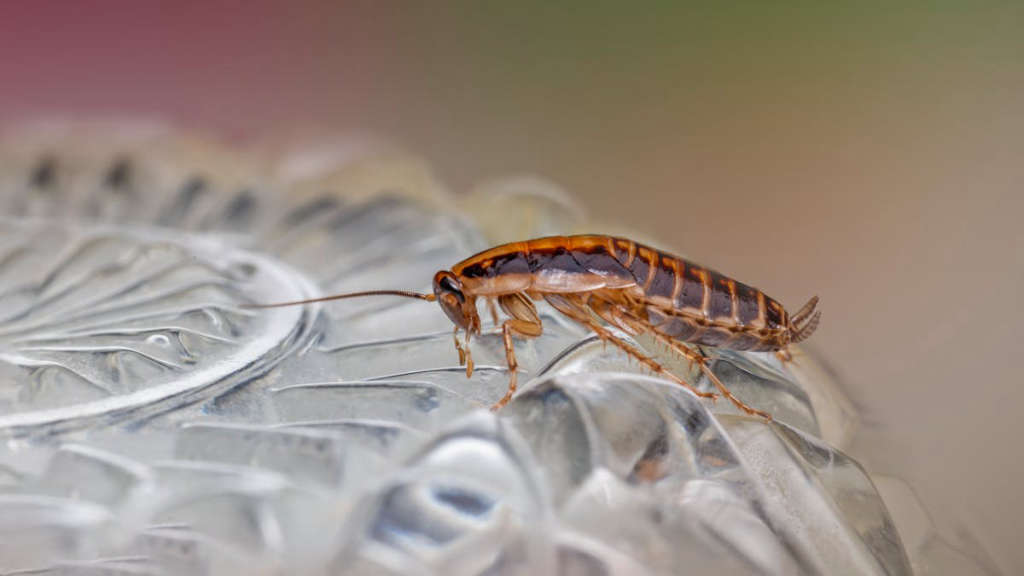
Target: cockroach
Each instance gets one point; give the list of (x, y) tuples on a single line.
[(635, 288)]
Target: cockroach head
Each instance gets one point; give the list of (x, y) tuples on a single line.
[(449, 294)]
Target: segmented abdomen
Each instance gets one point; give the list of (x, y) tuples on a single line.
[(690, 302)]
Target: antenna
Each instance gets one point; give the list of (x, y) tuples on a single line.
[(403, 293)]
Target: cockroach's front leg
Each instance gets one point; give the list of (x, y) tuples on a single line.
[(523, 323), (465, 357), (524, 329), (513, 367)]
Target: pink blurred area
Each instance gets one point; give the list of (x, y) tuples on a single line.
[(871, 156), (232, 65)]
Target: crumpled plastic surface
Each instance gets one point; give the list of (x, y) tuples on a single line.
[(155, 425)]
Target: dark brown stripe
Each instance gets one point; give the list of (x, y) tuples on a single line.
[(558, 259), (511, 263), (640, 269), (647, 262), (775, 314), (693, 288), (664, 281), (720, 307), (596, 259), (747, 304)]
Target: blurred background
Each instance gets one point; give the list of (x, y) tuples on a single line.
[(870, 154)]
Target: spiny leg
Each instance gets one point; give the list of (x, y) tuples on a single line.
[(627, 321), (607, 336), (513, 366), (521, 328), (577, 311), (701, 360), (524, 323)]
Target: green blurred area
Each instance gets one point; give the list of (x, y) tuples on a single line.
[(587, 73), (749, 43)]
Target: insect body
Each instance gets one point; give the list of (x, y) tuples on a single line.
[(632, 287)]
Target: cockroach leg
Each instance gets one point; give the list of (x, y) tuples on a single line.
[(465, 357), (647, 360), (523, 329), (577, 311), (513, 366), (728, 394), (701, 360), (620, 317), (458, 346), (617, 316)]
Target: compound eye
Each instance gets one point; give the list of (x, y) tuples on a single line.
[(449, 285)]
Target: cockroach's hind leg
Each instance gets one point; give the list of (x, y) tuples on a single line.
[(513, 379), (524, 325), (576, 311), (736, 401), (702, 361), (726, 392), (458, 346), (658, 368), (616, 316)]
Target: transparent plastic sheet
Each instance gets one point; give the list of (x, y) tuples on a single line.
[(154, 425)]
